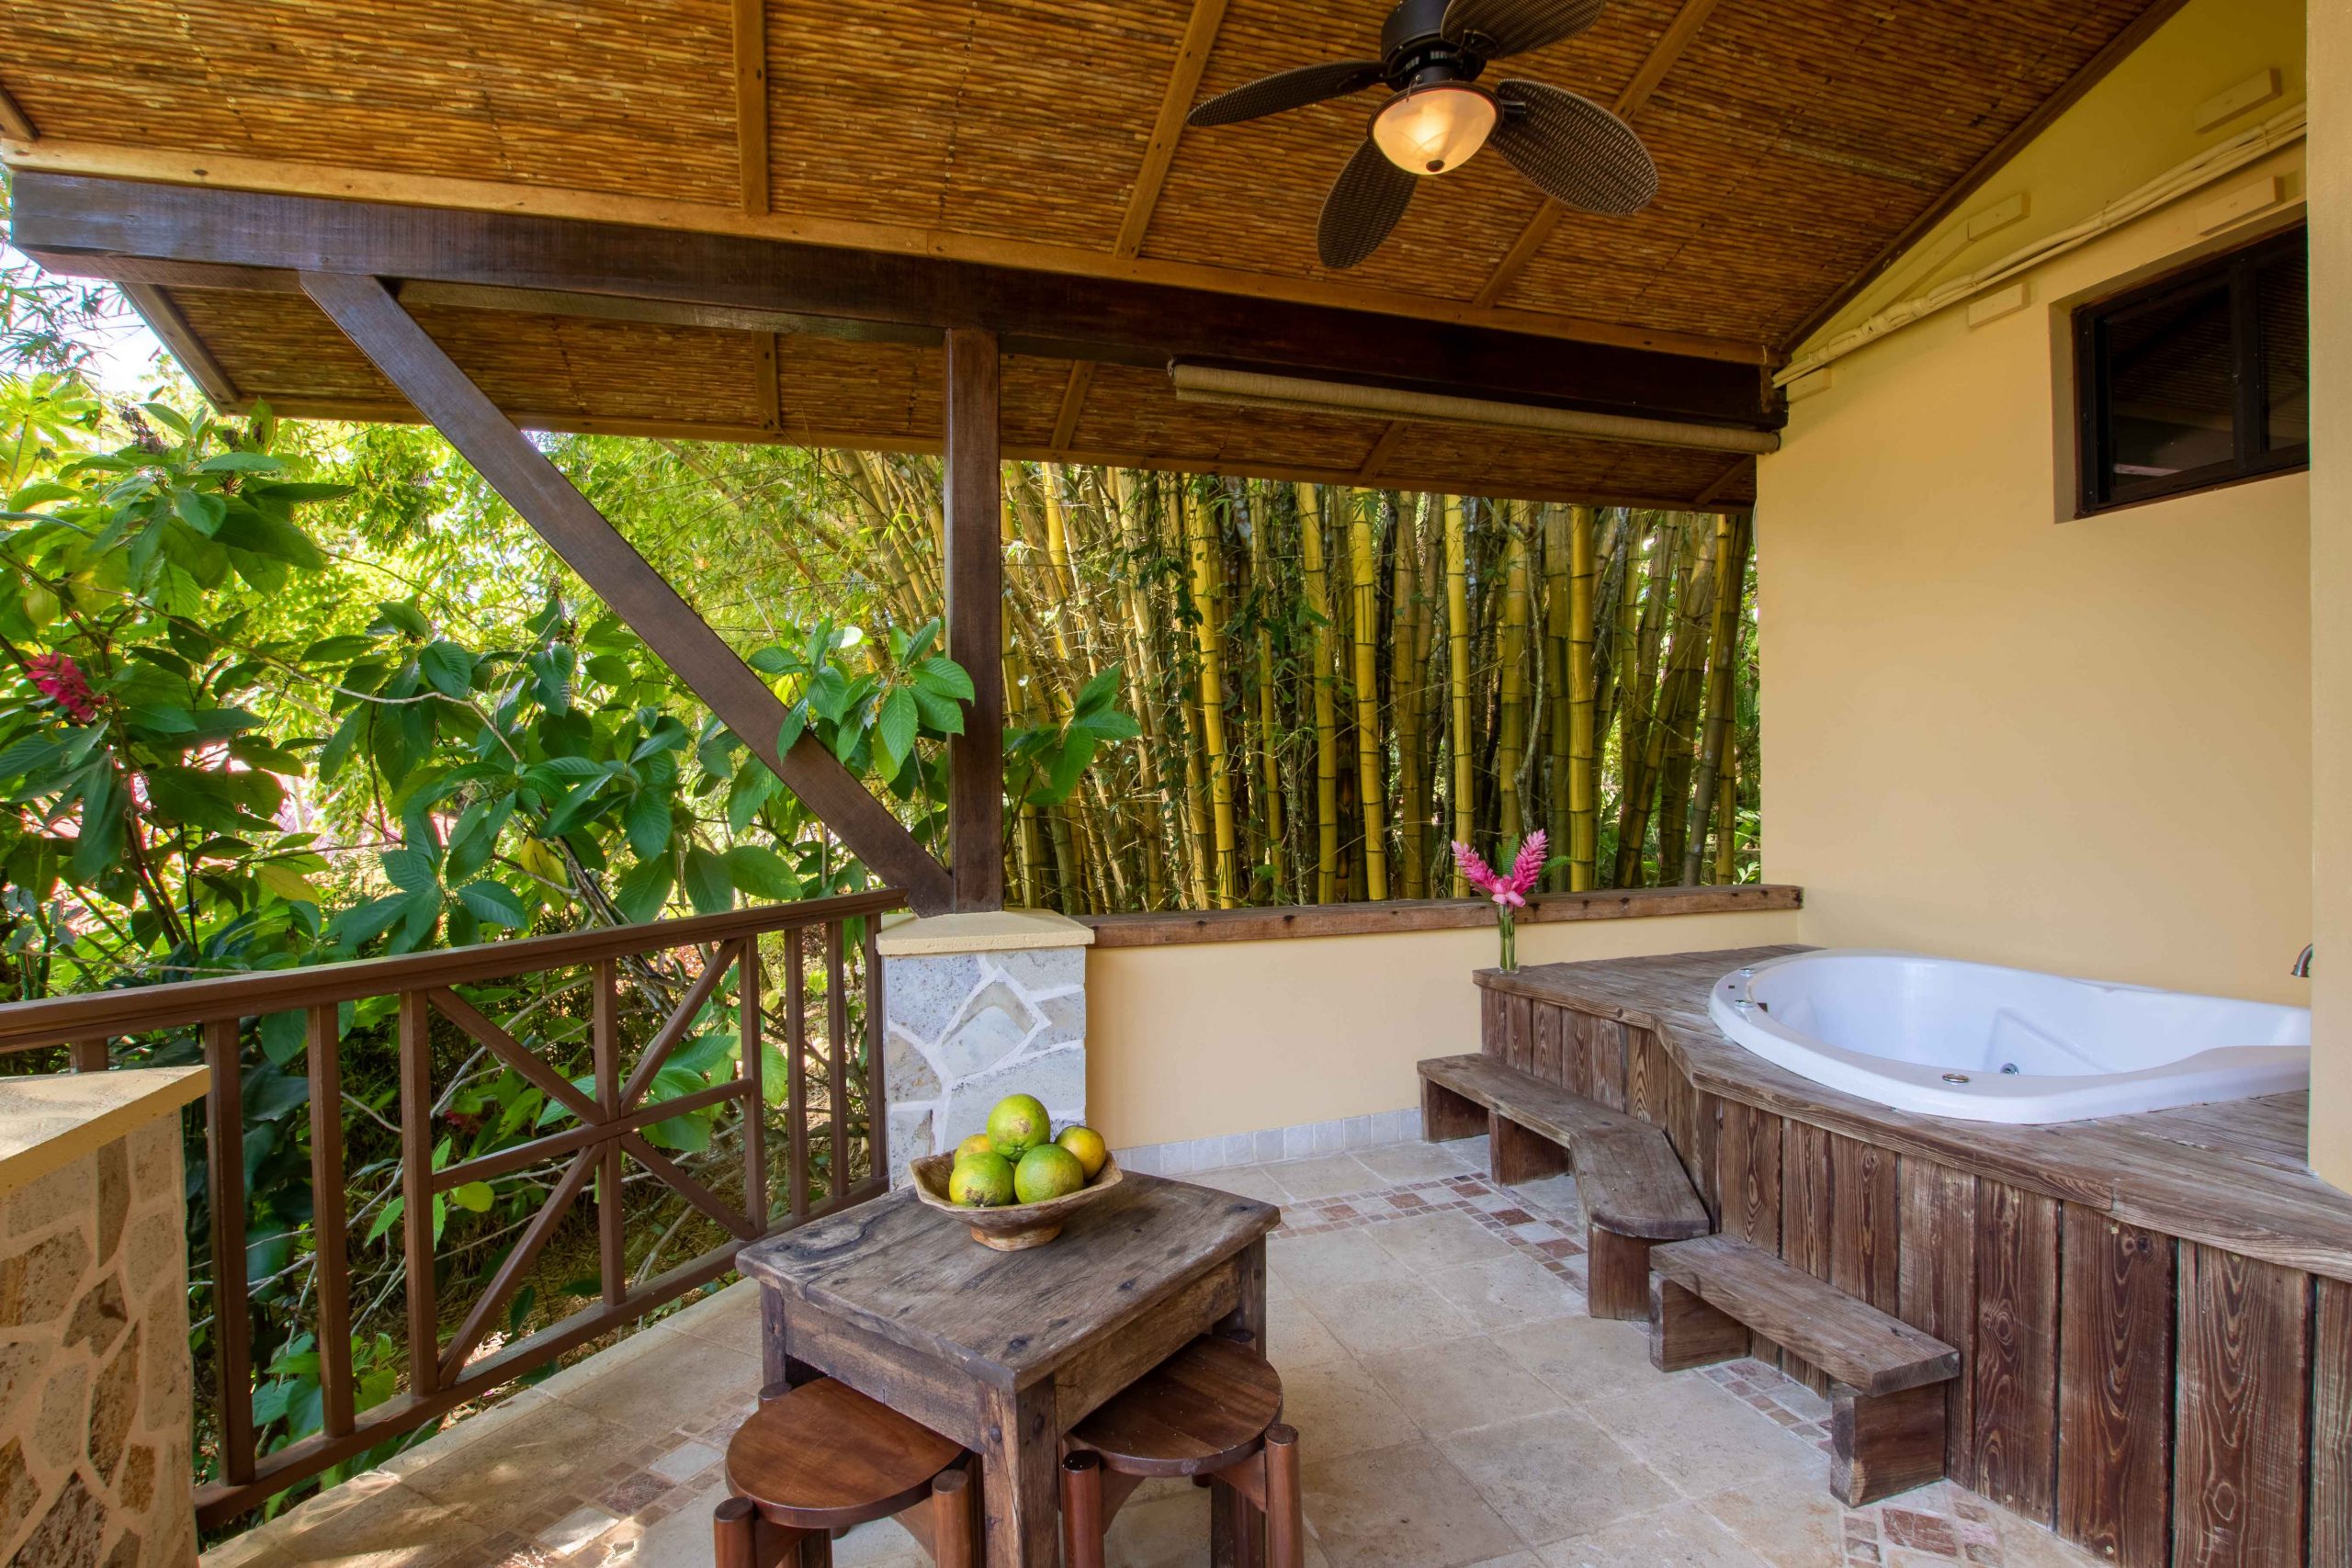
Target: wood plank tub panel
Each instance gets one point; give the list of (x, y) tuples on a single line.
[(2240, 1480), (2115, 1374), (1936, 1284), (2016, 1370)]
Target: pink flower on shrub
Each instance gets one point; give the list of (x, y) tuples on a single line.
[(60, 680)]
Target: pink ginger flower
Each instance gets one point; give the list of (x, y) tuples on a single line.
[(60, 680), (1508, 892)]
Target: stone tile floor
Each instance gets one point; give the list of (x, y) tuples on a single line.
[(1457, 1410)]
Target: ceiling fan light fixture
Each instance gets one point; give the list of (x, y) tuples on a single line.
[(1429, 129)]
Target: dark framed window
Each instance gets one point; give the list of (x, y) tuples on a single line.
[(2196, 379)]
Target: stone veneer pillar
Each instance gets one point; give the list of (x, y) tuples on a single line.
[(96, 1406), (976, 1007)]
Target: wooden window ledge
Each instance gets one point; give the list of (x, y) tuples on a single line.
[(1176, 928)]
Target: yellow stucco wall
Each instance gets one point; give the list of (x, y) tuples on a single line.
[(1198, 1041), (2331, 586), (2083, 746)]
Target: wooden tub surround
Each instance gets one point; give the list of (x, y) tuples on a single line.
[(2149, 1316)]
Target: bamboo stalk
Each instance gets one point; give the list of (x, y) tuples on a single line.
[(1693, 643), (1363, 561), (1511, 696), (1404, 703), (1724, 652), (1269, 815), (1457, 632), (1327, 719), (1580, 789), (1636, 715), (1201, 532), (1145, 664)]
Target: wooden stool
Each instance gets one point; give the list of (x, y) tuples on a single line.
[(822, 1457), (1207, 1412)]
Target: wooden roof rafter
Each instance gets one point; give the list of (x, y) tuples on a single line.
[(14, 124), (750, 35), (1151, 178)]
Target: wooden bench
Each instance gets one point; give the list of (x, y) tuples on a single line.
[(1633, 1188), (1887, 1391)]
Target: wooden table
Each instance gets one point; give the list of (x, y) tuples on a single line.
[(1005, 1351)]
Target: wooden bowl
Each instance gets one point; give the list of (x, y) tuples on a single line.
[(1016, 1226)]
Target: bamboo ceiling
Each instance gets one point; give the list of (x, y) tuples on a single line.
[(1796, 141)]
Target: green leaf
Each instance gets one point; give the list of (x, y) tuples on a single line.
[(494, 902), (251, 529), (1097, 693), (386, 1218), (788, 735), (646, 888), (944, 676), (762, 873), (709, 888), (201, 510), (894, 727), (647, 824), (240, 462), (412, 870), (283, 1036), (449, 668), (474, 1197)]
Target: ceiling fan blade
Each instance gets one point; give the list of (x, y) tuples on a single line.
[(1366, 200), (1573, 150), (1514, 27), (1287, 90)]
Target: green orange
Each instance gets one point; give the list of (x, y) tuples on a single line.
[(1047, 1171), (982, 1181), (1017, 1124)]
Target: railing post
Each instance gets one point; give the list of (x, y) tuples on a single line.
[(796, 1066), (612, 1250), (416, 1189), (224, 1126), (837, 1058), (329, 1207), (751, 1069), (878, 1107), (88, 1055)]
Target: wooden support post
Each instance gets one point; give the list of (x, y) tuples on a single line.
[(1446, 1115), (1884, 1443), (1685, 1332), (387, 334), (1617, 1273), (1515, 1154), (974, 483)]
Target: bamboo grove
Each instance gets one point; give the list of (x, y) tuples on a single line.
[(1334, 684)]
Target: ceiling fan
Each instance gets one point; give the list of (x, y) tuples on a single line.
[(1431, 53)]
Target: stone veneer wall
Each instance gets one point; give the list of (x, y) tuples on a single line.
[(965, 1029), (95, 1397)]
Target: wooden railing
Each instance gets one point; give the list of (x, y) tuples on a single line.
[(610, 1116)]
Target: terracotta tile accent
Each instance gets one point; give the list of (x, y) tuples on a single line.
[(1923, 1532)]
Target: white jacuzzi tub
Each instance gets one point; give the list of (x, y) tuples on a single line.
[(1984, 1043)]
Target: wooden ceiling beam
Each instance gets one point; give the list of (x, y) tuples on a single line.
[(372, 412), (1160, 153), (1722, 482), (14, 124), (1652, 71), (2092, 72), (750, 38), (1151, 178), (350, 183), (92, 226), (163, 319), (581, 535)]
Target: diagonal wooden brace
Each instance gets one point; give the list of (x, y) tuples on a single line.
[(576, 531)]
